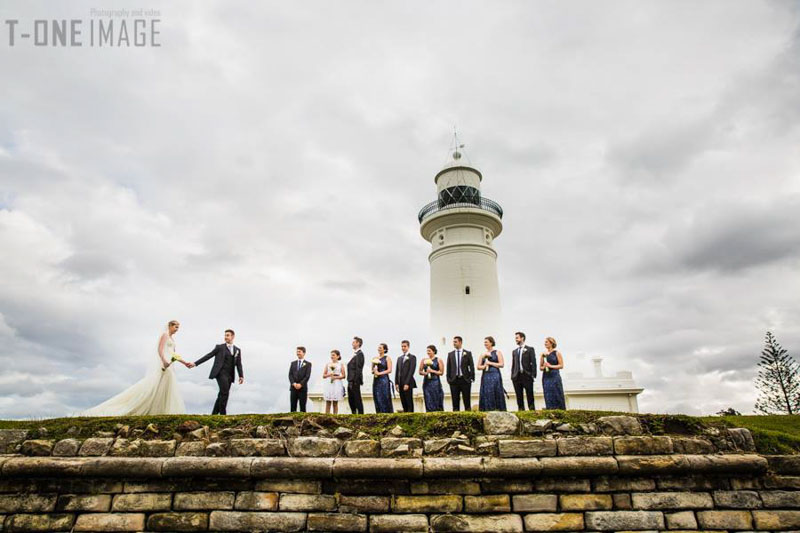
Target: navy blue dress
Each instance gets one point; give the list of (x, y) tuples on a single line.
[(552, 386), (382, 390), (493, 396), (432, 390)]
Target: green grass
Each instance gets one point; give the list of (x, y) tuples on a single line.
[(773, 434)]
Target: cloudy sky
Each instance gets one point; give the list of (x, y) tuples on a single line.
[(262, 170)]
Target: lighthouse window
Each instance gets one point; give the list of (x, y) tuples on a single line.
[(466, 289)]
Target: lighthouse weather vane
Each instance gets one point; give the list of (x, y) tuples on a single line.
[(456, 146)]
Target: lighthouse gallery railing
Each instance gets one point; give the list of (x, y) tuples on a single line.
[(437, 206)]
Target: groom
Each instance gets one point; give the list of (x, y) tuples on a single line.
[(226, 357)]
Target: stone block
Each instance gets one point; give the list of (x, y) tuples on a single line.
[(737, 499), (192, 448), (364, 504), (24, 467), (96, 446), (784, 464), (37, 447), (158, 448), (307, 502), (207, 467), (554, 522), (619, 425), (562, 484), (624, 520), (506, 486), (294, 486), (725, 519), (126, 448), (450, 503), (400, 446), (446, 486), (336, 522), (27, 503), (491, 503), (696, 483), (10, 438), (95, 503), (672, 500), (500, 423), (779, 482), (777, 520), (66, 448), (534, 503), (527, 448), (384, 468), (199, 501), (586, 502), (142, 501), (509, 468), (691, 445), (622, 501), (122, 467), (256, 447), (642, 445), (578, 466), (38, 522), (785, 499), (391, 523), (256, 501), (313, 447), (256, 521), (450, 467), (681, 520), (291, 467), (496, 523), (110, 522), (620, 484), (178, 522), (362, 448), (367, 487), (586, 446)]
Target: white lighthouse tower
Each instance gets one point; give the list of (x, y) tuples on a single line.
[(461, 226)]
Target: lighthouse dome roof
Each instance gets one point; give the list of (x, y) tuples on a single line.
[(457, 161)]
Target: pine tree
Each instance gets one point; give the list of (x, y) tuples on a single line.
[(778, 380)]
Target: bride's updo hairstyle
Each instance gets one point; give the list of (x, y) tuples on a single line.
[(172, 323)]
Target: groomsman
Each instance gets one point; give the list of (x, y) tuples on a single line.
[(460, 375), (226, 358), (404, 377), (299, 372), (523, 371), (355, 377)]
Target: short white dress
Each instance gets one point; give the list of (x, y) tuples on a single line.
[(333, 390)]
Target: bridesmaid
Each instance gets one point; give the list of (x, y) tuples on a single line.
[(431, 384), (381, 386), (551, 364), (492, 396)]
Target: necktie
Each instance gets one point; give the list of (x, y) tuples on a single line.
[(458, 363), (298, 364), (516, 360)]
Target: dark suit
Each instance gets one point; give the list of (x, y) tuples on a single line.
[(460, 380), (222, 370), (404, 375), (355, 378), (523, 373), (299, 375)]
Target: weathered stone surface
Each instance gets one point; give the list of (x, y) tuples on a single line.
[(586, 446), (66, 448), (156, 485), (314, 447), (506, 486), (503, 467), (27, 503), (292, 467), (779, 482), (41, 466), (689, 482), (681, 520), (198, 501), (585, 502), (427, 504), (619, 425), (187, 426), (10, 438), (362, 448), (381, 468), (725, 519), (748, 483), (692, 445), (652, 464), (624, 520), (445, 486), (158, 448), (364, 504), (378, 487), (537, 427), (122, 467), (534, 503), (191, 449), (784, 464), (578, 466), (96, 503), (563, 484), (38, 522), (615, 484), (737, 499), (126, 448), (96, 446), (491, 503), (343, 433), (554, 522), (307, 502), (211, 467), (499, 523), (37, 447), (295, 486), (500, 423), (178, 522), (449, 467), (742, 439), (336, 522), (391, 523), (622, 501), (256, 501), (781, 499), (642, 445), (217, 449), (777, 520), (142, 501), (256, 521), (441, 446), (672, 500), (256, 447), (110, 522), (397, 431), (527, 448), (401, 446)]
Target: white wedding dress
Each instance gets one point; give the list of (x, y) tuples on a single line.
[(155, 394)]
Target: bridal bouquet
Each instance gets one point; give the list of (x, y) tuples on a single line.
[(428, 363), (175, 357)]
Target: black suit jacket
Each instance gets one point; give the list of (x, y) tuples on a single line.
[(355, 368), (527, 361), (219, 353), (404, 373), (299, 376), (467, 366)]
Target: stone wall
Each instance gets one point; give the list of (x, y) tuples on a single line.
[(500, 481)]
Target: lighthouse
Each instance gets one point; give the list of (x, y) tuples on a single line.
[(461, 226)]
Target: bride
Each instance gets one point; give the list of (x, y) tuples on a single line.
[(156, 393)]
